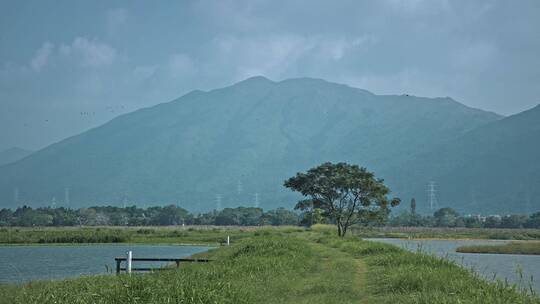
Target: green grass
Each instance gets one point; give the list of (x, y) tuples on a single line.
[(509, 248), (399, 276), (285, 266), (150, 235), (448, 233), (261, 269), (212, 235)]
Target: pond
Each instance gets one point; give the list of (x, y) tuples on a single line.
[(490, 266), (42, 262)]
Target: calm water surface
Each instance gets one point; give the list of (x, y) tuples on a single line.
[(28, 263), (490, 266)]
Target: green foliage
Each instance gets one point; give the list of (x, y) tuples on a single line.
[(240, 216), (347, 194), (446, 217), (153, 216), (278, 217)]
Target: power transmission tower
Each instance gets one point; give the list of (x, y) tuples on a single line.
[(239, 187), (256, 203), (66, 196), (432, 195), (218, 202), (16, 195)]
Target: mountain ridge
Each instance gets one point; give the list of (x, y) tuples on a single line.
[(12, 155), (254, 133)]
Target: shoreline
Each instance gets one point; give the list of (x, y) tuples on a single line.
[(345, 266)]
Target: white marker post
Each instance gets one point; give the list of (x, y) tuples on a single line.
[(228, 240), (128, 260)]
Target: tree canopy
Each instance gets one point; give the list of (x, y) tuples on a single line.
[(347, 194)]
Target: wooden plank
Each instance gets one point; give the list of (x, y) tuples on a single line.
[(147, 269), (163, 260)]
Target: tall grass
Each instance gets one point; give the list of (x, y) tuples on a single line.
[(264, 269), (400, 276), (285, 266), (154, 235), (447, 233), (531, 247), (48, 236)]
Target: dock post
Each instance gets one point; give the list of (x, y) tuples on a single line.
[(118, 266), (129, 257)]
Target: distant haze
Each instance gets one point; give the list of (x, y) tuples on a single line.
[(67, 66)]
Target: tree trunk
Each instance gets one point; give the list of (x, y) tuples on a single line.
[(339, 233)]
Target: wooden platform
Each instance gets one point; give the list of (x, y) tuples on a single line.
[(119, 260)]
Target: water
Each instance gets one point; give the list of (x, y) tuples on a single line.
[(29, 263), (490, 266)]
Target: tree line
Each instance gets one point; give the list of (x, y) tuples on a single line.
[(152, 216), (448, 217), (242, 216), (341, 194)]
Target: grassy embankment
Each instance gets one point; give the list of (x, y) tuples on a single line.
[(212, 235), (285, 266), (510, 248), (448, 233), (145, 235)]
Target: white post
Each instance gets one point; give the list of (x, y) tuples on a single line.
[(228, 240), (129, 257)]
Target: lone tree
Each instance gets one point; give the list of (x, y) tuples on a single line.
[(347, 194)]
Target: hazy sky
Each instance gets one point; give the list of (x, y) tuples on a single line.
[(66, 66)]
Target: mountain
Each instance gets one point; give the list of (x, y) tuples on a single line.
[(235, 146), (495, 167), (12, 155)]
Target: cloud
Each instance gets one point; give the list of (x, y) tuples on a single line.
[(270, 55), (92, 52), (283, 55), (116, 18), (416, 6), (141, 73), (181, 65), (41, 57), (478, 55)]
